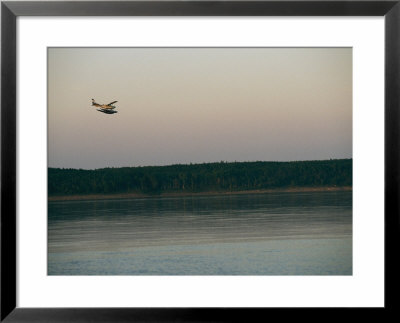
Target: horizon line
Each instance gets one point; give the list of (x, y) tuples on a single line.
[(205, 163)]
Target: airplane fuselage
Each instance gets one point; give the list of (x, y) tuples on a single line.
[(104, 106)]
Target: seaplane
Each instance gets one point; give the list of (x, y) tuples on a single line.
[(105, 108)]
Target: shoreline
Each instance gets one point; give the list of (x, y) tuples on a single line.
[(121, 196)]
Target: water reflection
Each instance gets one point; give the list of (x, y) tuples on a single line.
[(123, 225)]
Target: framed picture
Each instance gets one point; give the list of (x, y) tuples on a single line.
[(198, 160)]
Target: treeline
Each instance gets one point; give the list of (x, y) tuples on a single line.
[(221, 176)]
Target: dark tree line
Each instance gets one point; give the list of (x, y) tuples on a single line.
[(221, 176)]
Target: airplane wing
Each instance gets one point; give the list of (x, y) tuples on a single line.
[(112, 102)]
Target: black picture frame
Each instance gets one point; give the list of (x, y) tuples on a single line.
[(10, 10)]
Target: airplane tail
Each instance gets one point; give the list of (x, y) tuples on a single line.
[(93, 102)]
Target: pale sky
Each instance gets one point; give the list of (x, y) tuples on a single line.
[(195, 105)]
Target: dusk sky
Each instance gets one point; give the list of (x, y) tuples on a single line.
[(195, 105)]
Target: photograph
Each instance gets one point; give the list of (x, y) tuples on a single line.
[(200, 161)]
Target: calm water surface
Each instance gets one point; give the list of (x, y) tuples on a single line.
[(250, 234)]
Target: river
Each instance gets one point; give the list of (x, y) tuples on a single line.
[(307, 233)]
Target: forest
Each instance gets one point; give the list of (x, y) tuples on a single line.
[(206, 177)]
